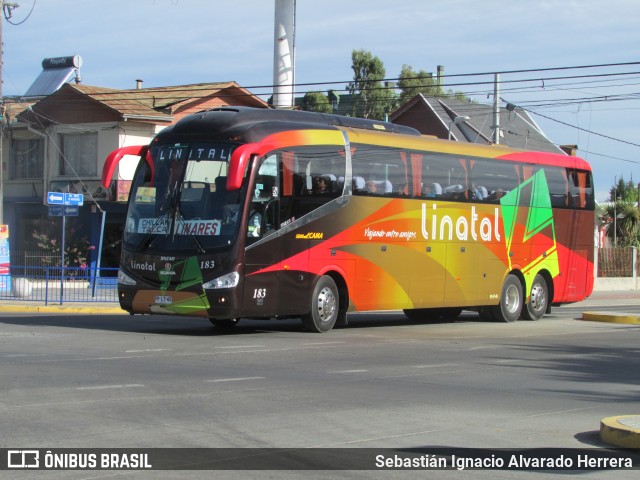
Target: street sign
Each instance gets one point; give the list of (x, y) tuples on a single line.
[(73, 199), (55, 198), (55, 210), (70, 210), (58, 198), (63, 210)]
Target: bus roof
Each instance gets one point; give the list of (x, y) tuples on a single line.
[(253, 125), (246, 124)]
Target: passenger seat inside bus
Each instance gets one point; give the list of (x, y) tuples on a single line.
[(482, 192), (432, 190), (383, 186)]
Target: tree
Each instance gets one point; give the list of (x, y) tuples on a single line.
[(623, 191), (371, 99), (76, 250), (622, 215), (413, 83), (317, 102)]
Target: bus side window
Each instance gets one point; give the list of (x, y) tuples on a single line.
[(386, 171), (558, 186), (319, 172), (581, 189), (492, 180)]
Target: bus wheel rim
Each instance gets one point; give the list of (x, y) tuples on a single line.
[(512, 299), (537, 297), (326, 304)]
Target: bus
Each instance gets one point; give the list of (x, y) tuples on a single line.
[(259, 213)]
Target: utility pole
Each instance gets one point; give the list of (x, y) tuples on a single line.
[(496, 109), (1, 124), (9, 7)]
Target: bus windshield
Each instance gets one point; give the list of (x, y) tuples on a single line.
[(180, 202)]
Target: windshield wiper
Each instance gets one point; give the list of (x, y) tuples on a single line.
[(178, 217), (167, 206)]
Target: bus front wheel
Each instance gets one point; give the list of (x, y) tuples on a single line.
[(325, 303), (538, 299), (510, 306)]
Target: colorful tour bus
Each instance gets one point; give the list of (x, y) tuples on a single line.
[(256, 213)]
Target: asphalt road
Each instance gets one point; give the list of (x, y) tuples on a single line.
[(108, 381)]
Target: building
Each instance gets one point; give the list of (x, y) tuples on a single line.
[(435, 116), (58, 142)]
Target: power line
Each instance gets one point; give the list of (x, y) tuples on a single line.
[(526, 105), (8, 11), (582, 129), (207, 86)]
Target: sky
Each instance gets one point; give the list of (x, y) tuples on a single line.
[(178, 42)]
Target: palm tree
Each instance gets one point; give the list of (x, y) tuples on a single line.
[(624, 224)]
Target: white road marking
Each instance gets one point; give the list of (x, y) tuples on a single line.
[(238, 379), (244, 346), (149, 350), (348, 371), (437, 365), (105, 387)]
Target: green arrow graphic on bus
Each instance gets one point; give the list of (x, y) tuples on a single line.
[(533, 195)]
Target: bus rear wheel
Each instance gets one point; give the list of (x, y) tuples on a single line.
[(538, 299), (325, 304), (510, 306)]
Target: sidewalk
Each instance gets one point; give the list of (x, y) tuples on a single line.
[(97, 308), (597, 299), (610, 299)]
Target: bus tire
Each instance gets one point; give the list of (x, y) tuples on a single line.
[(511, 300), (325, 306), (538, 300), (225, 324), (342, 321)]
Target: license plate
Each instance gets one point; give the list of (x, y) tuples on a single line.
[(164, 300)]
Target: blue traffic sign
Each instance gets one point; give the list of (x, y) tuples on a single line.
[(63, 210), (58, 198), (55, 210), (73, 199), (55, 198), (70, 210)]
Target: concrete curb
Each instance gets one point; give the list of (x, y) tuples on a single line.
[(62, 309), (621, 431), (628, 318)]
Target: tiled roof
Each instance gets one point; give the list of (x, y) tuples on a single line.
[(161, 104), (164, 97), (434, 116), (141, 101), (129, 103), (14, 107)]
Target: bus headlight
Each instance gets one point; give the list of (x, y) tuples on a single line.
[(230, 280), (125, 279)]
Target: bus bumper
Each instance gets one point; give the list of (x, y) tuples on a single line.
[(218, 304)]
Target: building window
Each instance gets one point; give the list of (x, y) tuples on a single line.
[(27, 158), (79, 154)]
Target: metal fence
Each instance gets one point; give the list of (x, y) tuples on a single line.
[(35, 281), (59, 285), (617, 262)]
